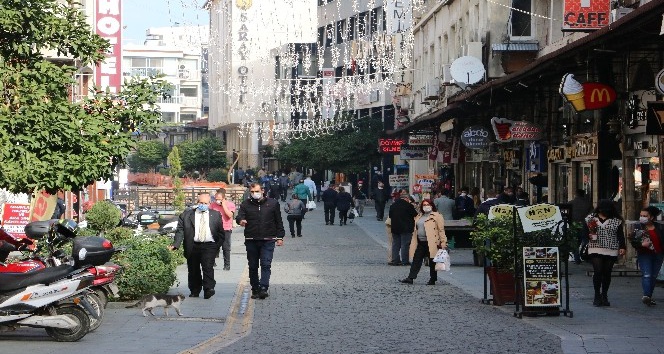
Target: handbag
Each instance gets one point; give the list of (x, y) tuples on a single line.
[(311, 205), (583, 251)]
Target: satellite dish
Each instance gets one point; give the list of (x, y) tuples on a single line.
[(467, 70)]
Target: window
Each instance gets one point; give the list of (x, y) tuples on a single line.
[(139, 62), (168, 117), (329, 35), (520, 24), (187, 117), (374, 20), (189, 91), (340, 31), (352, 22), (321, 35), (146, 66), (362, 24)]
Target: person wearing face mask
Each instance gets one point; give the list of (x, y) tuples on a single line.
[(226, 208), (202, 232), (647, 240), (380, 195), (464, 205), (263, 229), (603, 230), (428, 238)]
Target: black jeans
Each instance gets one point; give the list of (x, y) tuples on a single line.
[(380, 209), (259, 252), (343, 216), (329, 213), (297, 220), (226, 247), (201, 257), (602, 268), (284, 193), (421, 252)]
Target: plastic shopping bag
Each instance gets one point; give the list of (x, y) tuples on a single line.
[(443, 261)]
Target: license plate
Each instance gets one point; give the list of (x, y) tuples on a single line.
[(114, 289)]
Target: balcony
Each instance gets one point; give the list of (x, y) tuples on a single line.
[(143, 72), (181, 100)]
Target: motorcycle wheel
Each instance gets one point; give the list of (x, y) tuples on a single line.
[(98, 306), (102, 296), (73, 334)]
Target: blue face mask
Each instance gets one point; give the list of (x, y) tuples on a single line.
[(203, 207)]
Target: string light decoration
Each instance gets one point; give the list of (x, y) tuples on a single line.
[(266, 59)]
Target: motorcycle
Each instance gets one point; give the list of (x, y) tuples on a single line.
[(56, 298), (140, 220)]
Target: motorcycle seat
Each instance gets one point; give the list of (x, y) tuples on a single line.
[(14, 281)]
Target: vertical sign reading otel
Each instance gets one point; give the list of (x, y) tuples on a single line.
[(108, 24)]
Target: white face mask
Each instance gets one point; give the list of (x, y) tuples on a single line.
[(257, 195), (643, 220), (463, 194), (427, 209)]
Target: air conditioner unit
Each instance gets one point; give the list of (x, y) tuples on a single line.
[(432, 90), (447, 75), (183, 74), (374, 96), (617, 14)]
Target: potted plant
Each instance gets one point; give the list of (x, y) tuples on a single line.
[(494, 239)]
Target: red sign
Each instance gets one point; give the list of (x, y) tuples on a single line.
[(390, 146), (586, 15), (508, 130), (15, 217), (108, 24), (597, 96)]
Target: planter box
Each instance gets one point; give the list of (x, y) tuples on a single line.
[(502, 286)]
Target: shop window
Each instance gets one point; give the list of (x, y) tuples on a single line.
[(646, 179), (561, 187), (585, 178)]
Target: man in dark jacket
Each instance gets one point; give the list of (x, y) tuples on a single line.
[(402, 215), (507, 196), (490, 201), (261, 218), (380, 195), (581, 207), (202, 231), (359, 198), (329, 204), (464, 204), (283, 185)]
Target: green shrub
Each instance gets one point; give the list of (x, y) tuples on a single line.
[(148, 266), (119, 235), (165, 171), (218, 175), (103, 216)]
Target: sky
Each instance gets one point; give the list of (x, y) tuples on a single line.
[(139, 15)]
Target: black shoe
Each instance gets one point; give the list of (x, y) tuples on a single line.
[(360, 215), (406, 281), (262, 294), (254, 294), (227, 267), (215, 264), (293, 236), (431, 282), (299, 235), (327, 223), (193, 294), (345, 223), (406, 264), (208, 294), (605, 301), (394, 263), (597, 302)]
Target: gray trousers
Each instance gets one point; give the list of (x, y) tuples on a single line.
[(400, 247)]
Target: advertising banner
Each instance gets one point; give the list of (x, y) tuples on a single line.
[(500, 210), (475, 137), (399, 15), (541, 276), (390, 146), (586, 15), (398, 181), (42, 206), (108, 24), (414, 152), (426, 181), (421, 139), (508, 130), (14, 218), (539, 217)]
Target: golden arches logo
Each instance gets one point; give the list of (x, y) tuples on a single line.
[(244, 4), (603, 95)]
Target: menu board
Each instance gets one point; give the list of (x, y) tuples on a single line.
[(541, 276), (14, 218)]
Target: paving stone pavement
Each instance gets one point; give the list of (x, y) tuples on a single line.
[(332, 292)]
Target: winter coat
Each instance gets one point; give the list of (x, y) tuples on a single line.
[(302, 192), (283, 182), (295, 208), (344, 201), (402, 215), (380, 195), (330, 197), (435, 231), (263, 219)]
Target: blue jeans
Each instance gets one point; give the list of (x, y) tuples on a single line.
[(401, 242), (649, 265), (259, 251)]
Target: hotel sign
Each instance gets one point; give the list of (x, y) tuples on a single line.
[(108, 25)]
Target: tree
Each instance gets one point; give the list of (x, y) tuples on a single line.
[(350, 150), (176, 168), (148, 155), (46, 140), (202, 155)]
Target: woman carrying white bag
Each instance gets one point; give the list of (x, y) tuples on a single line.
[(428, 238)]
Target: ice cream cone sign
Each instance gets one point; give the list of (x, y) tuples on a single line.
[(586, 96)]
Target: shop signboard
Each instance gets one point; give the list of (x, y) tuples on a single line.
[(655, 118), (539, 217), (14, 218), (42, 206), (535, 158), (390, 146), (421, 139), (508, 130), (426, 181), (586, 15), (398, 181), (558, 154), (414, 152), (500, 210), (541, 276), (585, 147), (597, 95), (475, 137)]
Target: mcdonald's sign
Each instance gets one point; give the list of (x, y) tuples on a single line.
[(598, 96)]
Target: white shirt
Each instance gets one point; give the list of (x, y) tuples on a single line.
[(207, 233), (311, 185)]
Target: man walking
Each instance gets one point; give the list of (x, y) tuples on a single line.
[(329, 204), (465, 207), (201, 230), (402, 215), (311, 185), (380, 199), (445, 205), (261, 218), (486, 205), (284, 184), (226, 208), (359, 198)]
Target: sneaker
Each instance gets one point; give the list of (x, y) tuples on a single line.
[(254, 294), (394, 263), (262, 294), (299, 235), (406, 281), (646, 300), (227, 267)]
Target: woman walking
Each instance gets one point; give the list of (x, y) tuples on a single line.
[(428, 238), (295, 210), (344, 201), (647, 240), (603, 230)]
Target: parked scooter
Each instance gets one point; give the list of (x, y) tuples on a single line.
[(55, 298)]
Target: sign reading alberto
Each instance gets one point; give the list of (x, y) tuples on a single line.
[(539, 217), (500, 210)]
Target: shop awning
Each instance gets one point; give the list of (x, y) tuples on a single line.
[(515, 47), (429, 120)]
